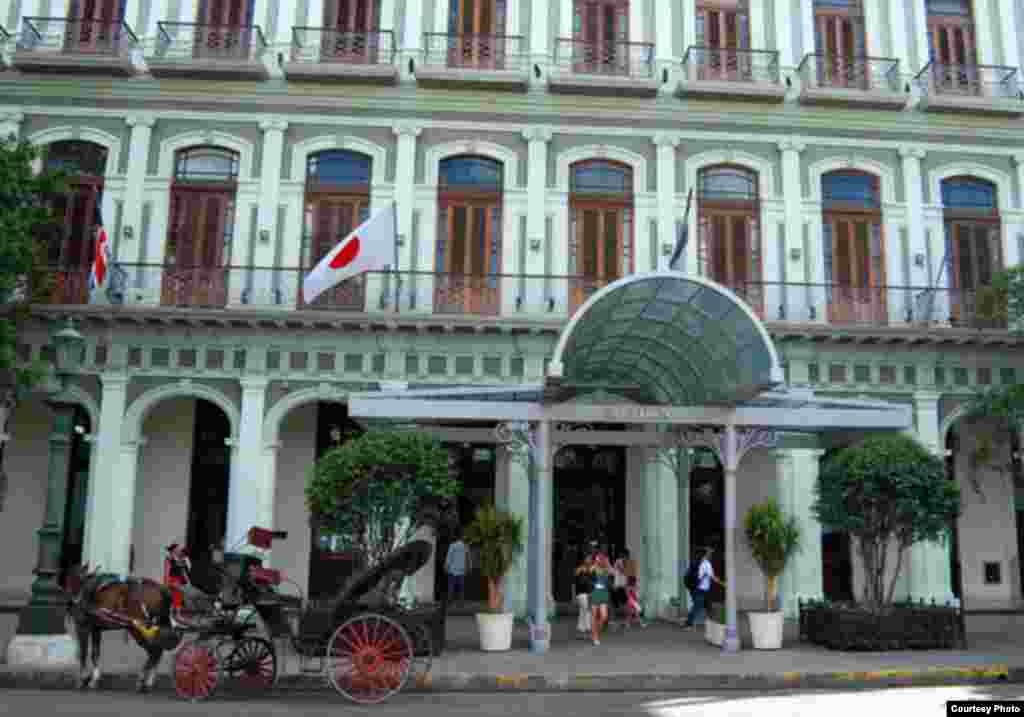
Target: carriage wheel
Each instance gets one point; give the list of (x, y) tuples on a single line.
[(423, 649), (196, 671), (254, 663), (369, 658)]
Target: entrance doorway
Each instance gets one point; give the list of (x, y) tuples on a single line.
[(77, 492), (208, 491), (590, 504), (707, 515)]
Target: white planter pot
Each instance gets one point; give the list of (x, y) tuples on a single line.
[(766, 630), (714, 632), (495, 631)]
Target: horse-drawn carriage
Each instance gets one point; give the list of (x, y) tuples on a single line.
[(364, 641)]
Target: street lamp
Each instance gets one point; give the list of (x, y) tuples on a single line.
[(44, 614)]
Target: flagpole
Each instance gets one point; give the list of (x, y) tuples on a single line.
[(398, 279)]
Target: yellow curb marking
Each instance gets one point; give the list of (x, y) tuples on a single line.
[(516, 680)]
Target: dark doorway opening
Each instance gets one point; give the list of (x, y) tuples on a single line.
[(836, 566), (590, 504), (77, 493), (955, 567), (707, 515), (208, 490)]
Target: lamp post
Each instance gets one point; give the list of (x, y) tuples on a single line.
[(44, 614), (8, 396)]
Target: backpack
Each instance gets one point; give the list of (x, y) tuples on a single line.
[(690, 581)]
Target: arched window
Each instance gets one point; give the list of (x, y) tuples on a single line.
[(469, 235), (840, 44), (76, 157), (729, 237), (201, 226), (337, 201), (974, 252), (476, 33), (853, 247), (600, 226)]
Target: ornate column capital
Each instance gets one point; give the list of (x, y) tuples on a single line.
[(275, 125), (667, 139), (254, 383), (12, 117), (1018, 158), (912, 153), (140, 120), (791, 145), (407, 129), (112, 381), (537, 134)]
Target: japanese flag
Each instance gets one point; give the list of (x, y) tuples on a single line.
[(370, 247)]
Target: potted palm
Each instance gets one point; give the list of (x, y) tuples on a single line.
[(773, 539), (497, 538)]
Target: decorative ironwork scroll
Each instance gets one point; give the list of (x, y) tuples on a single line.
[(714, 439)]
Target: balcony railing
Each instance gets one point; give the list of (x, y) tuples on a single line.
[(535, 297), (75, 36), (731, 65), (322, 44), (851, 73), (617, 59), (474, 52), (187, 40), (970, 80)]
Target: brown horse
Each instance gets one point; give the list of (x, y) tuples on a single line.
[(101, 603)]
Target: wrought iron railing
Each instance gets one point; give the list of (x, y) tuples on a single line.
[(851, 73), (974, 80), (71, 35), (475, 52), (324, 44), (514, 295), (187, 40), (731, 65), (617, 59)]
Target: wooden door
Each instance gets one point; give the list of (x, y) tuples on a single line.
[(601, 239), (975, 258), (954, 53), (330, 218), (476, 34), (600, 35), (94, 26), (201, 227), (350, 31), (724, 30), (855, 270), (226, 30), (840, 45), (73, 244), (468, 257), (729, 253)]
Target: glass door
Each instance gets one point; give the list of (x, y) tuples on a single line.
[(468, 257), (600, 242), (202, 223), (854, 269)]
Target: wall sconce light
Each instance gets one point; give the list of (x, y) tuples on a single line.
[(795, 254), (919, 260), (666, 249), (400, 240), (127, 232), (535, 245), (264, 235)]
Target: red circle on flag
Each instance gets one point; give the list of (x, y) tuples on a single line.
[(347, 254)]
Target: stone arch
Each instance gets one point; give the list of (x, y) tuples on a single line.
[(886, 175), (302, 151), (764, 168), (85, 134), (565, 160), (276, 415), (140, 408), (970, 169), (213, 138), (508, 158)]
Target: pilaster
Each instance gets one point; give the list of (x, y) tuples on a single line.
[(666, 172), (536, 187), (784, 33), (796, 477), (129, 244), (270, 191), (914, 196), (412, 37), (539, 35), (110, 504), (405, 188), (251, 489), (666, 519), (10, 124), (517, 502), (663, 51), (795, 258)]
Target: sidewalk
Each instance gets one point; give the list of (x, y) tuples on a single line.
[(659, 657)]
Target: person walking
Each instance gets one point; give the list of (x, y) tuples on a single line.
[(600, 595), (455, 567), (584, 583), (701, 580)]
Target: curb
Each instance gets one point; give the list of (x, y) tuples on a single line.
[(527, 683)]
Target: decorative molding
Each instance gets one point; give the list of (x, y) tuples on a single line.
[(537, 134), (912, 152), (1004, 187), (566, 159), (791, 144), (667, 139), (141, 406), (438, 152), (885, 173), (293, 399), (141, 120), (274, 125), (88, 134), (301, 151), (171, 145), (716, 439), (765, 168), (520, 439), (407, 129)]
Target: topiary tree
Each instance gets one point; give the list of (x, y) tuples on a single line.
[(377, 490), (886, 491), (773, 539)]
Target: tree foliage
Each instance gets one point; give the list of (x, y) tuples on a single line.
[(773, 539), (497, 537), (888, 492), (375, 510), (25, 214)]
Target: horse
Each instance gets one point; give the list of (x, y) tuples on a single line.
[(99, 603)]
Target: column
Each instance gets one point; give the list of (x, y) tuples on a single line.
[(784, 33), (684, 551), (875, 21), (917, 245), (517, 502), (129, 244), (1013, 245), (405, 188), (897, 19), (928, 570), (921, 42), (1011, 51), (250, 498), (730, 461), (797, 475), (1018, 162), (536, 192), (799, 300), (664, 53), (10, 124), (111, 502), (665, 527), (412, 37), (539, 35), (666, 151), (270, 190), (540, 546)]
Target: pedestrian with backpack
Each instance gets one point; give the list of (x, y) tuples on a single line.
[(698, 580)]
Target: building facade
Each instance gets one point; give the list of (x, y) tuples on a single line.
[(855, 172)]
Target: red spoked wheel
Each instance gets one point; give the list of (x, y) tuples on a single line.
[(369, 659), (196, 671), (253, 662)]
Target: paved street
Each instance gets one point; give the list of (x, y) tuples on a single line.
[(908, 701)]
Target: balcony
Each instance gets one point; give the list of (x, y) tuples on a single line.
[(712, 73), (604, 69), (487, 62), (185, 49), (851, 82), (52, 44), (986, 89), (327, 55)]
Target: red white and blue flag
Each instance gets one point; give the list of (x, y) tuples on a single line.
[(102, 256)]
